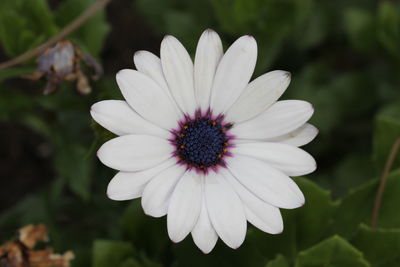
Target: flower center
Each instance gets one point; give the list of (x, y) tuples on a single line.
[(202, 142)]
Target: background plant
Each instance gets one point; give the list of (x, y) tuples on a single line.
[(345, 59)]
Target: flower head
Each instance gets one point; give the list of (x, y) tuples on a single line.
[(202, 145)]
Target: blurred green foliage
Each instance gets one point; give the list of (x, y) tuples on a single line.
[(24, 25), (345, 60)]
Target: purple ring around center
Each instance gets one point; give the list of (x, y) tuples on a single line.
[(202, 141)]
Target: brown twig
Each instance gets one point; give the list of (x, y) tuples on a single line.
[(93, 9), (382, 182)]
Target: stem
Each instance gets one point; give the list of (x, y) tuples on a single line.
[(382, 182), (89, 12)]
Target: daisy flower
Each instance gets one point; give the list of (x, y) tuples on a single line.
[(202, 144)]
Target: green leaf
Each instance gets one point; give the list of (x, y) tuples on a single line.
[(184, 26), (241, 16), (248, 254), (381, 247), (9, 24), (70, 120), (130, 263), (352, 171), (30, 209), (318, 209), (387, 130), (91, 35), (149, 232), (145, 262), (356, 206), (186, 22), (389, 27), (20, 104), (331, 96), (153, 11), (39, 16), (299, 233), (15, 72), (279, 261), (332, 252), (108, 253), (32, 20), (259, 247), (75, 168), (359, 26)]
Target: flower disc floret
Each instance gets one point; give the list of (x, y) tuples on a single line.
[(202, 142)]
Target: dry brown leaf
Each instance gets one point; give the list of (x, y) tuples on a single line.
[(21, 253)]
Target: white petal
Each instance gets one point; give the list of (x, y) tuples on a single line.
[(281, 118), (261, 214), (265, 182), (208, 54), (150, 64), (134, 152), (203, 233), (225, 210), (233, 73), (259, 95), (299, 137), (184, 207), (129, 185), (119, 118), (158, 191), (290, 160), (178, 71), (147, 98)]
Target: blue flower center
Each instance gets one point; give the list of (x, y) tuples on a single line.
[(202, 143)]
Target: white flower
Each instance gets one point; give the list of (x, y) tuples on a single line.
[(202, 145)]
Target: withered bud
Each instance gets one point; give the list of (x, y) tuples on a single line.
[(62, 62)]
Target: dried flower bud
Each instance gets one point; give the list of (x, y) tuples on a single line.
[(62, 62)]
